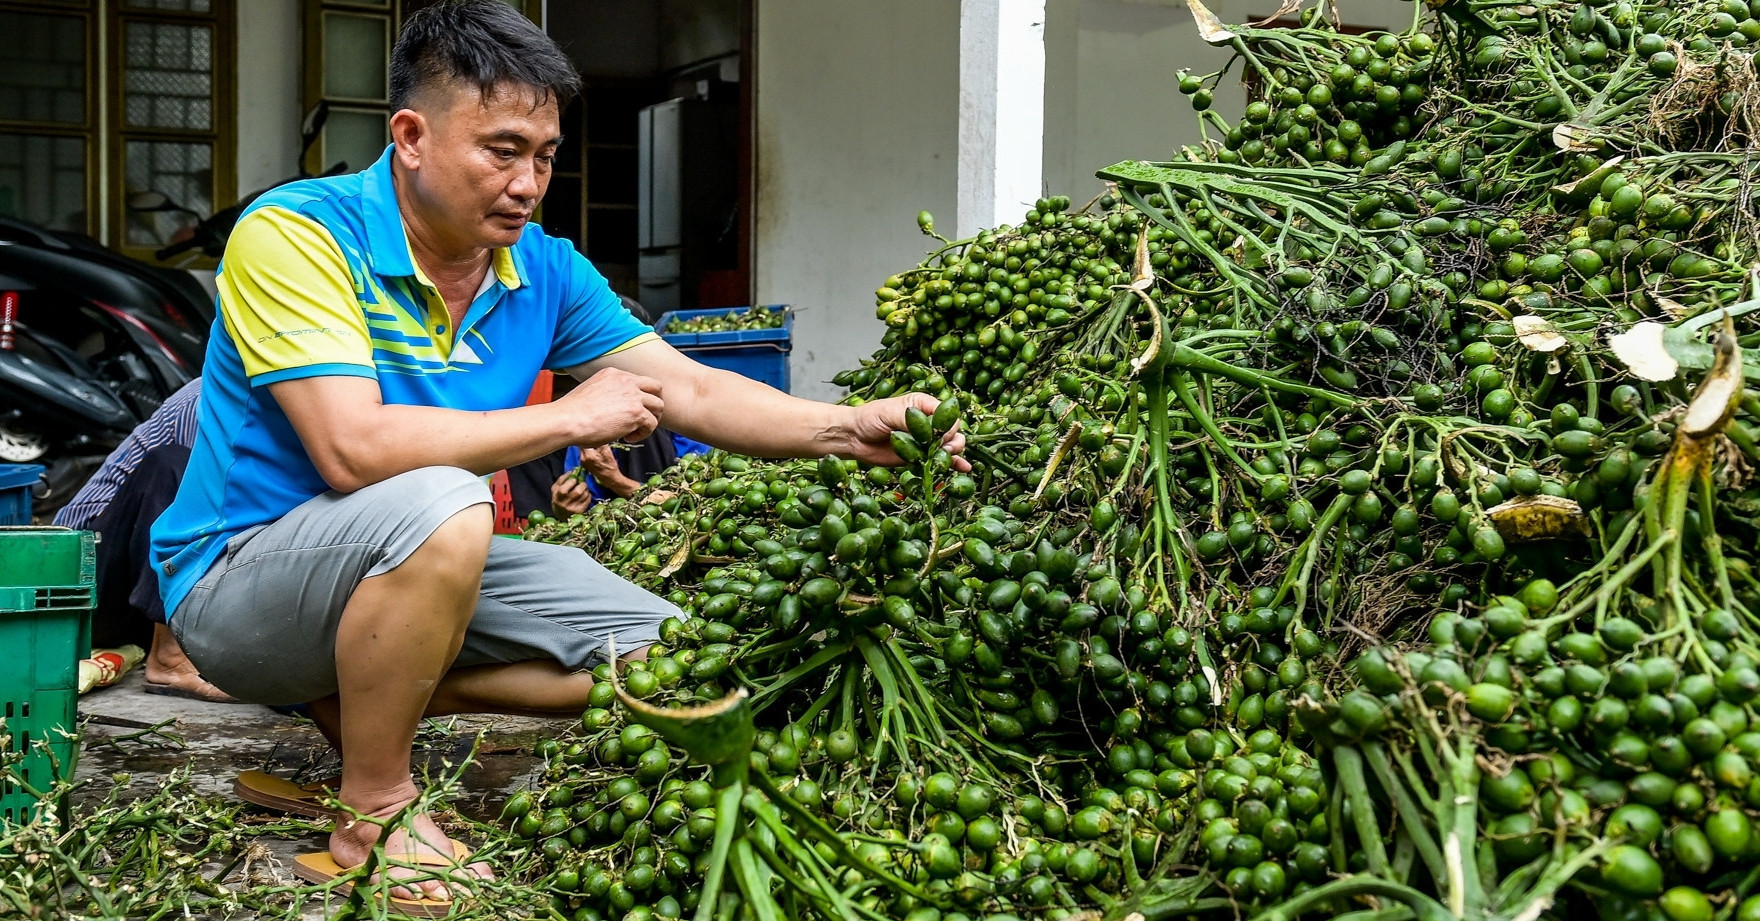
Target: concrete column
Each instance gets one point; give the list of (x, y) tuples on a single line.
[(1001, 111)]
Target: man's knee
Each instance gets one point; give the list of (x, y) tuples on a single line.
[(462, 541), (472, 526), (467, 531), (457, 547), (444, 483)]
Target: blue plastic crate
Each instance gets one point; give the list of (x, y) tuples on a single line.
[(16, 481), (760, 354)]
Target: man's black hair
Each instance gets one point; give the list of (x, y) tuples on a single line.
[(481, 43)]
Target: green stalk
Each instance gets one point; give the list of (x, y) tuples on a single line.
[(1175, 220), (1172, 908), (991, 460), (1516, 883), (727, 804), (1349, 762), (820, 705), (933, 715), (1394, 912), (1351, 887), (1416, 783), (820, 889), (787, 679), (1556, 878), (1309, 551), (1404, 854), (1338, 849), (1191, 359), (1550, 71), (1158, 462), (752, 884), (890, 716), (1244, 53), (1618, 579), (1466, 889), (1181, 385), (816, 827), (1410, 816), (1714, 546), (846, 713), (1136, 449), (1591, 390)]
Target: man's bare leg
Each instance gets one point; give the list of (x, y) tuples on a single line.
[(398, 635), (535, 688), (167, 664), (326, 714)]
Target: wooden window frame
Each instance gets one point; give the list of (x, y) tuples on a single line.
[(89, 131), (312, 55), (312, 52), (223, 134)]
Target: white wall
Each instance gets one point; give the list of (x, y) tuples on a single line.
[(1111, 73), (856, 130), (1109, 86), (268, 90)]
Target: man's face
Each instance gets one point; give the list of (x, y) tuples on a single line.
[(485, 162)]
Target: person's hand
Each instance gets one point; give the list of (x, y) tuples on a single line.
[(600, 462), (871, 425), (569, 495), (614, 405)]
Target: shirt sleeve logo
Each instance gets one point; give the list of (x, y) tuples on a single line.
[(321, 330)]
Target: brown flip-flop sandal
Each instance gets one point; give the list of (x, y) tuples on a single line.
[(271, 792), (322, 868), (172, 690)]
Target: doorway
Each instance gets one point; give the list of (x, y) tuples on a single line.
[(653, 183)]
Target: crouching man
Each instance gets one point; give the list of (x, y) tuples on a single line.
[(377, 335)]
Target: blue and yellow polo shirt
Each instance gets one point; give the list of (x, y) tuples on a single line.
[(318, 280)]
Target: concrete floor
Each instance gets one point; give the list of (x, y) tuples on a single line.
[(216, 741)]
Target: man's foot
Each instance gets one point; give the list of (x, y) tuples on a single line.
[(416, 852), (170, 672)]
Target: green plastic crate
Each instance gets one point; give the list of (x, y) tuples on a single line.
[(48, 584)]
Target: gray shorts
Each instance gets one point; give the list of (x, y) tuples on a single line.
[(261, 624)]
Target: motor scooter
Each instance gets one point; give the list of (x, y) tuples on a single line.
[(92, 342)]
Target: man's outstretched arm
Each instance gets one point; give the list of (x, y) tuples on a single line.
[(743, 415)]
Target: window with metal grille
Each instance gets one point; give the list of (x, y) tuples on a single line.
[(47, 115), (81, 132), (347, 60)]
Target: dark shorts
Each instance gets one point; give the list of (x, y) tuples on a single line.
[(261, 624)]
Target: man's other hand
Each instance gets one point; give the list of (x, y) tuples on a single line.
[(870, 430), (601, 464), (615, 405), (569, 495)]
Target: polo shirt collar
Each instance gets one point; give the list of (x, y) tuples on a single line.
[(387, 244), (388, 252), (509, 266)]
